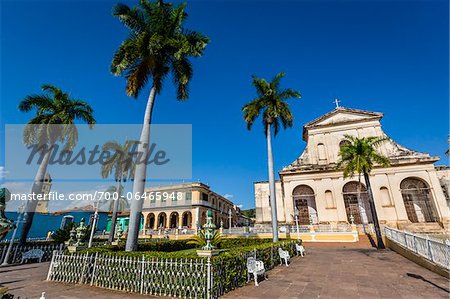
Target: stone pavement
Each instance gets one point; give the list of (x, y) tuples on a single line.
[(332, 271), (327, 271), (28, 281)]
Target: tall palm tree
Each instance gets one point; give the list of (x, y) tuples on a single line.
[(359, 155), (271, 102), (158, 45), (54, 122), (121, 165), (123, 202)]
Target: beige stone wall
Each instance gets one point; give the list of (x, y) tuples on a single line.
[(316, 168), (263, 210), (196, 205), (443, 174), (390, 209)]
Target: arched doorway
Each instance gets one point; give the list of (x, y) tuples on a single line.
[(305, 201), (356, 202), (418, 200), (174, 220), (162, 220), (187, 219), (150, 223), (203, 220)]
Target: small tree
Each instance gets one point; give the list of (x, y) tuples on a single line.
[(121, 165), (358, 155)]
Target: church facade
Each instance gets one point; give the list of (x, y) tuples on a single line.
[(407, 194)]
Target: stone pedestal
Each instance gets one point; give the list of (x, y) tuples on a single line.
[(207, 253), (75, 248)]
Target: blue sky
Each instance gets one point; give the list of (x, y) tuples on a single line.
[(387, 56)]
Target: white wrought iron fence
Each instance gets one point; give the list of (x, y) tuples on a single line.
[(437, 251), (17, 251), (184, 278), (187, 278)]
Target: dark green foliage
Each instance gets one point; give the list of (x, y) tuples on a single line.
[(359, 155), (200, 240), (163, 246), (158, 45), (62, 235), (250, 213), (271, 103), (230, 267)]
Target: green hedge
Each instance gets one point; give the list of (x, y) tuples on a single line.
[(174, 246), (230, 267)]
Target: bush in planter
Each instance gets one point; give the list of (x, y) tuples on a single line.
[(200, 240)]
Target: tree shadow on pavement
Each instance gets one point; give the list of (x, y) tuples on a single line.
[(416, 276)]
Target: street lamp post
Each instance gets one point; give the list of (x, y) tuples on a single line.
[(296, 213), (94, 225), (11, 242)]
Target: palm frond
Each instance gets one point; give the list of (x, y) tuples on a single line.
[(271, 103)]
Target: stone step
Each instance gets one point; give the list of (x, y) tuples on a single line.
[(430, 227)]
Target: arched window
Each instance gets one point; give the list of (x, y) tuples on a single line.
[(162, 220), (305, 201), (174, 220), (329, 200), (150, 223), (187, 219), (385, 197), (321, 152), (418, 200), (356, 202)]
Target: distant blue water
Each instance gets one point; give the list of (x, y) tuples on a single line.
[(43, 223)]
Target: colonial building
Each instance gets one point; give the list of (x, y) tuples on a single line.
[(405, 194), (185, 206)]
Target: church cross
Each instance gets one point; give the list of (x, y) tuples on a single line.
[(336, 101)]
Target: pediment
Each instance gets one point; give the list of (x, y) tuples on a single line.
[(343, 115)]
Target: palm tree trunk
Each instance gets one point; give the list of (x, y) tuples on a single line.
[(112, 230), (376, 224), (273, 200), (139, 176), (35, 189), (360, 203)]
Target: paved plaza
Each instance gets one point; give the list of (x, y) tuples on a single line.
[(333, 271), (327, 271)]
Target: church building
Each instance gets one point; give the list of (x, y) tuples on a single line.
[(408, 194)]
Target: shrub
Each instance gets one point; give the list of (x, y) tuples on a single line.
[(200, 240), (230, 267)]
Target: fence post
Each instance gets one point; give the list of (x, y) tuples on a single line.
[(83, 272), (430, 254), (415, 244), (50, 269), (142, 274), (94, 268), (208, 278), (15, 254)]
